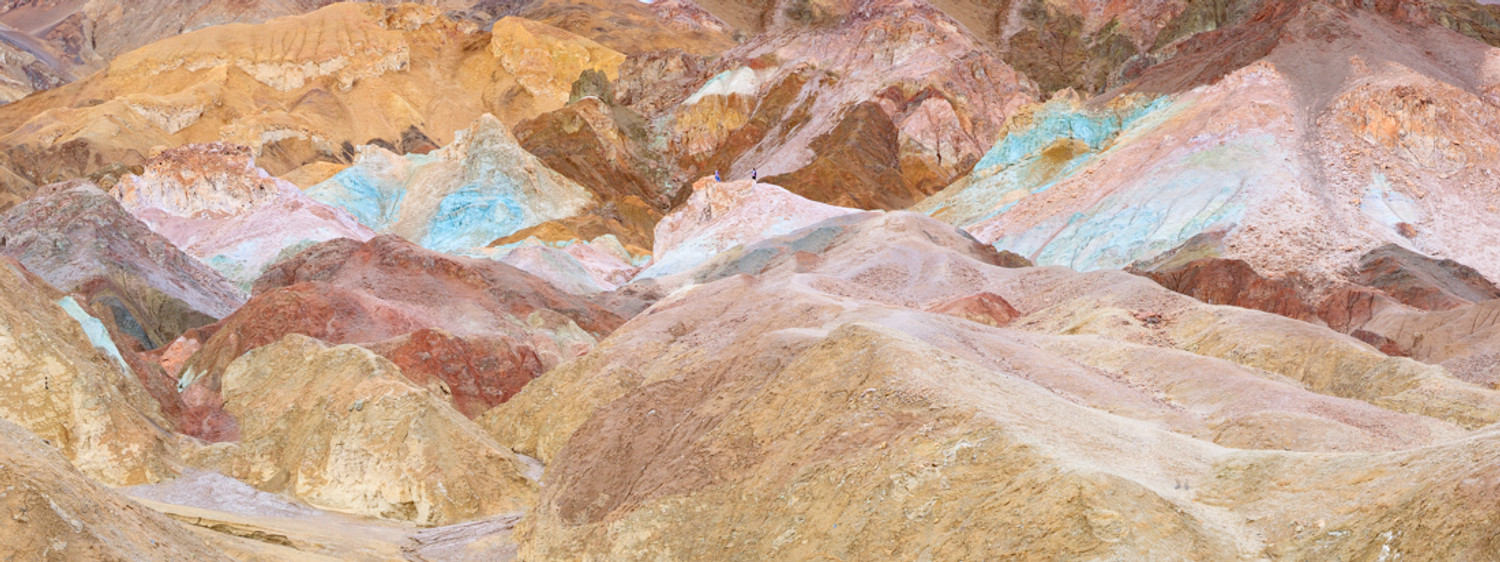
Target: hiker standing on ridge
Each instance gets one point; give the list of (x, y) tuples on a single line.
[(716, 176), (753, 174)]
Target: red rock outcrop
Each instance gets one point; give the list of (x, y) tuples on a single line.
[(1422, 282), (1436, 311), (476, 373), (477, 330), (1347, 308), (1391, 276), (1235, 283), (391, 268), (985, 308), (1383, 303)]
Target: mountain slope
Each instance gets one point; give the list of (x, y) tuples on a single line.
[(1356, 131), (801, 395), (290, 89)]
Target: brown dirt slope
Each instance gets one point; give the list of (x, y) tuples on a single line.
[(813, 407), (56, 513)]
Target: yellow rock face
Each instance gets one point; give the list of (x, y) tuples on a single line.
[(546, 60), (347, 43), (56, 383), (296, 89), (342, 429), (313, 174)]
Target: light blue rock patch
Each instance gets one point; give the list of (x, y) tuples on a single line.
[(1387, 206), (370, 197), (1019, 165), (94, 329), (1054, 122), (474, 216), (496, 190), (1207, 191)]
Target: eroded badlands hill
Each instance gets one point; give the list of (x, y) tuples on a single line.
[(805, 398), (1105, 280), (66, 381), (807, 107), (1355, 131), (213, 202), (298, 89)]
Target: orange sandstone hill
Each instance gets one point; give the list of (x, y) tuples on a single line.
[(298, 89)]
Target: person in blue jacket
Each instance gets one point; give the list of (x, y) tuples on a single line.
[(716, 176)]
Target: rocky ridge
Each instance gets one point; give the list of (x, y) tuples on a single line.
[(395, 298), (80, 239), (390, 449), (214, 203), (1286, 190), (242, 84), (460, 198), (65, 380)]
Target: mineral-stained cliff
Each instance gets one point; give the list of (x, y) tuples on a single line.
[(402, 302), (214, 203), (63, 378), (1352, 131), (298, 89), (79, 238), (797, 105), (459, 198)]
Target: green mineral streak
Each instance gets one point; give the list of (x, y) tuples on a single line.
[(1053, 49), (1205, 15)]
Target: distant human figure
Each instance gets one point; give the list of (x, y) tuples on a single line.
[(716, 176), (753, 174)]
